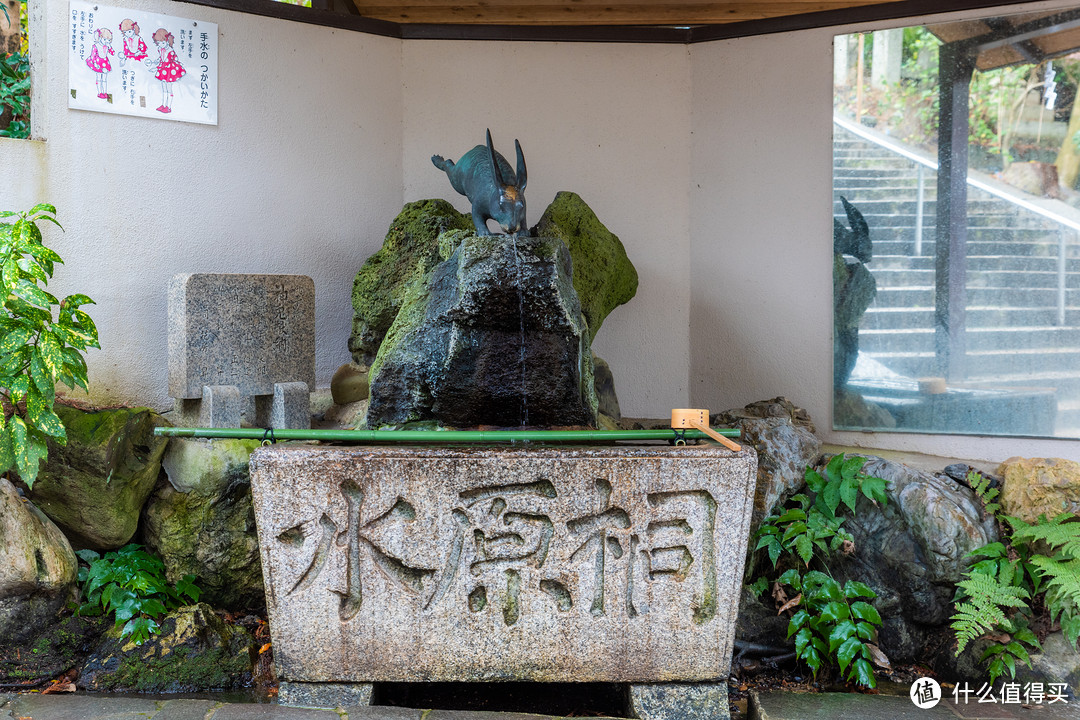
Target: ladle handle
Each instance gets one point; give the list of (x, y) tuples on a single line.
[(729, 444)]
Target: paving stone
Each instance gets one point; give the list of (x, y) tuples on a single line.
[(81, 707), (854, 706), (186, 709), (398, 564), (246, 330), (259, 711), (383, 712)]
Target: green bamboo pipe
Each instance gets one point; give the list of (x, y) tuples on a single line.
[(438, 436)]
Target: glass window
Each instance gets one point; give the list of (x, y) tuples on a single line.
[(956, 246)]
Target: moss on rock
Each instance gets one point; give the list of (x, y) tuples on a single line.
[(194, 650), (94, 487), (410, 250), (200, 521), (604, 277)]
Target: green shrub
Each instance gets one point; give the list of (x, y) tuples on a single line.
[(37, 349), (830, 622), (130, 584)]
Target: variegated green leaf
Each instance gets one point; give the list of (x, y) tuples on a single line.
[(51, 353), (31, 293), (14, 340)]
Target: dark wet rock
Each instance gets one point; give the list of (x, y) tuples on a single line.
[(37, 568), (94, 487), (912, 552), (455, 353), (604, 382), (200, 521), (48, 649), (194, 650)]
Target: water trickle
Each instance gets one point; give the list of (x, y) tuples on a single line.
[(524, 416)]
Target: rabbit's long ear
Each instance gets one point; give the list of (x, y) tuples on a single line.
[(494, 162), (522, 177)]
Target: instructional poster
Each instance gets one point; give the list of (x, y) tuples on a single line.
[(133, 62)]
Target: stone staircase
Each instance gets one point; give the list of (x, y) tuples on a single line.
[(1014, 338)]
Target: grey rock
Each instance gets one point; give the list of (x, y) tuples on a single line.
[(220, 406), (493, 336), (784, 451), (479, 564), (604, 381), (250, 331), (193, 650), (94, 487), (777, 407), (291, 406), (912, 551), (324, 695), (701, 701), (1058, 662), (37, 567), (200, 521)]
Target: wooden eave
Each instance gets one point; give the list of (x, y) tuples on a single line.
[(667, 21)]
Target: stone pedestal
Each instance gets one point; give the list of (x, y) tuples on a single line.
[(243, 335), (613, 564)]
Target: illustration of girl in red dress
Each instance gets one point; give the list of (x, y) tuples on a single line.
[(169, 69), (134, 48), (99, 60)]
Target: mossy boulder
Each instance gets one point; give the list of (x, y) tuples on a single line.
[(1039, 486), (194, 650), (604, 277), (494, 335), (37, 567), (94, 487), (200, 521), (410, 250)]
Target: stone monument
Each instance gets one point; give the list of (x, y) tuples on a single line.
[(242, 345), (600, 564)]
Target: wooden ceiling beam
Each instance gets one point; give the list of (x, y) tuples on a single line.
[(586, 12)]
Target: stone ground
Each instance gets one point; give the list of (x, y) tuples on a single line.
[(853, 706), (768, 706), (98, 707)]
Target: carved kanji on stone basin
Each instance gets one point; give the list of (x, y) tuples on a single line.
[(423, 564)]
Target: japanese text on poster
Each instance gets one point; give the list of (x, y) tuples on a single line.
[(140, 63)]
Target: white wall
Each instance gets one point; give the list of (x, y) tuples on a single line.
[(711, 162), (300, 176), (607, 121), (761, 230)]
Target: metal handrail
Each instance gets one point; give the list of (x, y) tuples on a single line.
[(979, 184)]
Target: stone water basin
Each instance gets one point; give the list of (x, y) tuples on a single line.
[(552, 564)]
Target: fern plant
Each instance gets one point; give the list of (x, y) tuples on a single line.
[(1059, 568), (995, 598)]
